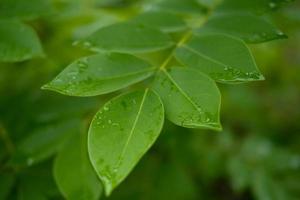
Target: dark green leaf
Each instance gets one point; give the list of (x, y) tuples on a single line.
[(18, 42), (127, 38), (24, 9), (251, 6), (74, 173), (44, 142), (100, 74), (224, 58), (250, 28), (122, 132), (191, 99), (166, 22), (179, 6)]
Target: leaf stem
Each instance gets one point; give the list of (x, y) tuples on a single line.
[(183, 40)]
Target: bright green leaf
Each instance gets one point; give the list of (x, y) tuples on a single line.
[(100, 74), (18, 42), (122, 132), (127, 38), (250, 28), (166, 22), (224, 58), (191, 99), (74, 173)]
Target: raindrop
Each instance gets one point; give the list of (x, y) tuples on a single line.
[(106, 108), (272, 5), (87, 44), (29, 161), (279, 33)]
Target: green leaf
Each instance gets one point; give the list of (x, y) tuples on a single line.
[(251, 6), (127, 38), (18, 42), (36, 183), (223, 58), (122, 132), (250, 28), (191, 99), (166, 22), (74, 173), (24, 9), (209, 3), (43, 143), (179, 6), (100, 74)]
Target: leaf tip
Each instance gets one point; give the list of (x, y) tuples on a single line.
[(46, 87)]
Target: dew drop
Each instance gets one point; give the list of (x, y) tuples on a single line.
[(87, 44), (272, 5), (29, 161), (106, 108)]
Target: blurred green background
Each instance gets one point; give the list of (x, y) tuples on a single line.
[(257, 156)]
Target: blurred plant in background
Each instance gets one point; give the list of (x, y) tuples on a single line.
[(257, 156)]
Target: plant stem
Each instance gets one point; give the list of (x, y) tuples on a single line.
[(183, 40)]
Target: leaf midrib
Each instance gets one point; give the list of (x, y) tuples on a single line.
[(182, 91), (203, 55), (131, 131)]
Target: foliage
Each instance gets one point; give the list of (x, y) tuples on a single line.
[(155, 68)]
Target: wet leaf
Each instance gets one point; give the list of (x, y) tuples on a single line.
[(191, 99), (121, 133), (250, 28), (100, 74), (223, 58), (127, 38)]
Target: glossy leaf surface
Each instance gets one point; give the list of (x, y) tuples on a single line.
[(100, 74), (224, 58), (121, 133), (191, 99)]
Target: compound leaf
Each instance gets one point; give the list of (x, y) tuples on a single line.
[(191, 99), (223, 58), (127, 38), (100, 74), (74, 173), (18, 42), (121, 133), (250, 28)]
